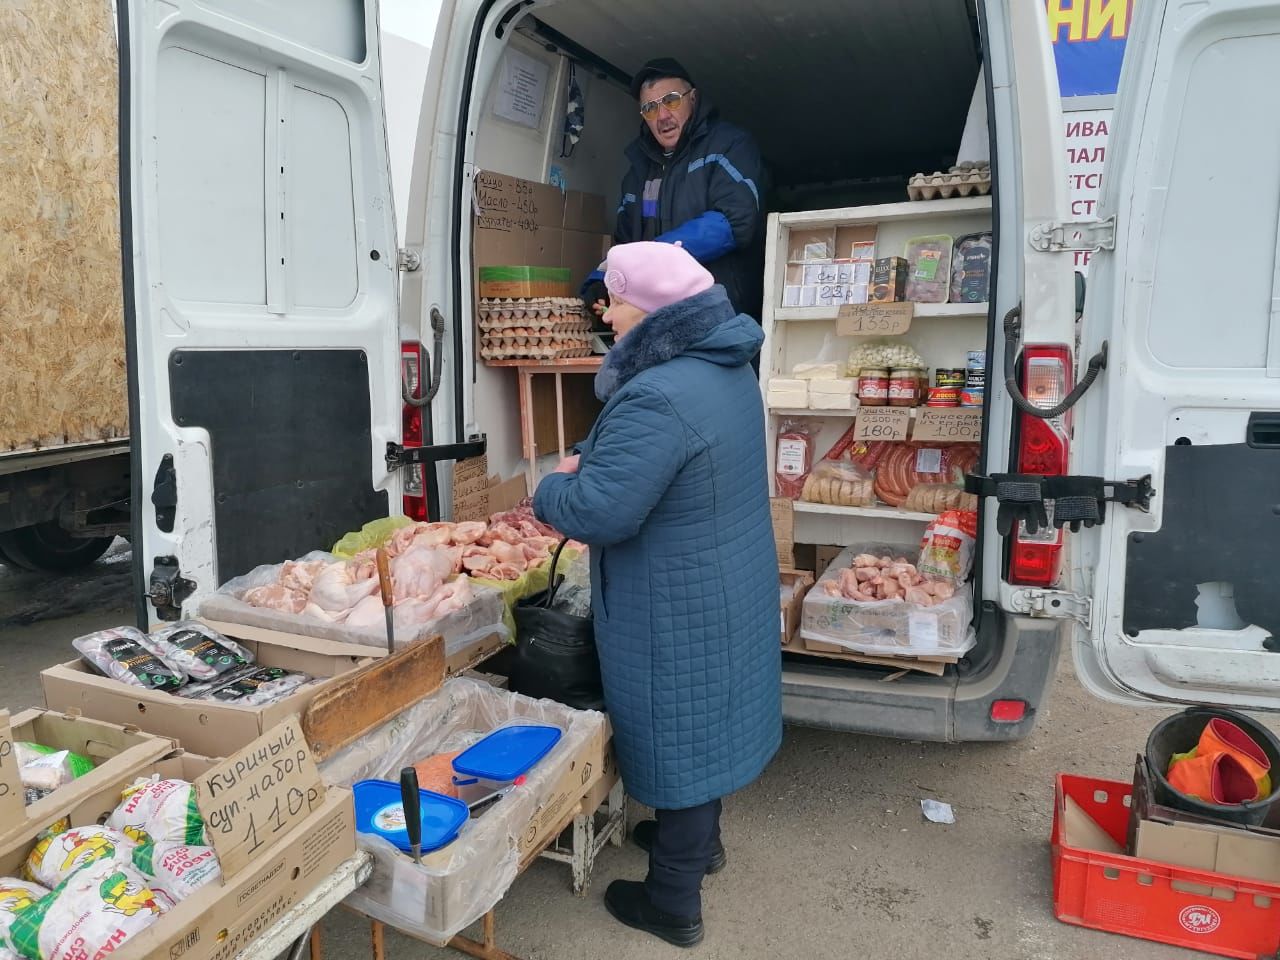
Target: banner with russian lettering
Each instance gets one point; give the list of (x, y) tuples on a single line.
[(1088, 44)]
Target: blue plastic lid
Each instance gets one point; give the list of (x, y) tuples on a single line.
[(380, 811), (508, 752)]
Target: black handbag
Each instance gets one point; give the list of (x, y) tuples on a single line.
[(555, 654)]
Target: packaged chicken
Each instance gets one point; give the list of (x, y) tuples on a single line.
[(929, 268), (58, 855), (971, 269), (160, 811), (177, 870), (258, 688), (200, 652), (122, 654), (15, 896), (91, 914), (840, 483), (946, 550), (43, 769)]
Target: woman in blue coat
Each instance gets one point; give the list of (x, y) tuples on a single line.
[(671, 494)]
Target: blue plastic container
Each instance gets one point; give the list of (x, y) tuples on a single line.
[(379, 811), (507, 753)]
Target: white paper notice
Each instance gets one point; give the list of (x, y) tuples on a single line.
[(523, 89)]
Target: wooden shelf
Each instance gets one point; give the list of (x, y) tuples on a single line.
[(923, 311), (592, 362), (874, 513), (879, 213)]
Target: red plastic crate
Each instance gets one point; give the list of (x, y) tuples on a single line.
[(1212, 912)]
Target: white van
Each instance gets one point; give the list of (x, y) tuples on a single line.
[(271, 311)]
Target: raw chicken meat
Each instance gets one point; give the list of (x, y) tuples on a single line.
[(367, 613), (873, 579), (335, 591), (420, 572), (277, 596)]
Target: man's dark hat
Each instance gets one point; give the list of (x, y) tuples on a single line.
[(664, 68)]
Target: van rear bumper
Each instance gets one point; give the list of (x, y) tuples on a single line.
[(955, 707)]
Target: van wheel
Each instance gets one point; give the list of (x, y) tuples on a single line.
[(47, 548)]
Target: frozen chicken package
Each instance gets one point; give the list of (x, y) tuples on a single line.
[(160, 811), (58, 855), (199, 651), (123, 654), (15, 896)]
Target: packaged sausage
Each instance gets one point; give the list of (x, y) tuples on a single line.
[(203, 654), (839, 483), (971, 269), (93, 913), (929, 268), (122, 654), (794, 457)]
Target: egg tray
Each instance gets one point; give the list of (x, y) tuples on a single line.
[(967, 180), (534, 338), (561, 351), (528, 325), (541, 308)]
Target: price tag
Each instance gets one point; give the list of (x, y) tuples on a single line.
[(257, 795), (879, 319), (12, 804), (882, 423), (949, 425)]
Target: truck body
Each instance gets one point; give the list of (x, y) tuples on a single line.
[(276, 326)]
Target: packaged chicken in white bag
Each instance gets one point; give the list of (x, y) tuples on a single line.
[(59, 855), (160, 811), (176, 870), (15, 896), (93, 913)]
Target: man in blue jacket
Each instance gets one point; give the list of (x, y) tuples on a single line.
[(694, 179)]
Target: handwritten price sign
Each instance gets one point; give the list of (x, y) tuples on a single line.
[(874, 319), (12, 804), (949, 425), (255, 797), (882, 423)]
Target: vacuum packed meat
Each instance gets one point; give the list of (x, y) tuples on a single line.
[(122, 653)]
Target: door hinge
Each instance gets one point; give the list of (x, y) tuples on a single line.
[(408, 260), (399, 455), (1072, 235), (1050, 604), (168, 589)]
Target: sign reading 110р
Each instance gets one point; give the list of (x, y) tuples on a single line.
[(1088, 46)]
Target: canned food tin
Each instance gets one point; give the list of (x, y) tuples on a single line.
[(972, 396), (976, 378), (904, 387), (977, 360), (949, 377), (944, 397), (873, 387)]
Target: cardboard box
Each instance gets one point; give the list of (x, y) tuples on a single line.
[(582, 773), (1237, 853), (222, 919), (933, 666), (118, 752), (795, 584), (524, 282), (786, 554), (211, 729)]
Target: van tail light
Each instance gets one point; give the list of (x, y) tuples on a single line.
[(414, 477), (1044, 448)]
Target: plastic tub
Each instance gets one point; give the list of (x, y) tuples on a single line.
[(502, 757), (1181, 732), (380, 811)]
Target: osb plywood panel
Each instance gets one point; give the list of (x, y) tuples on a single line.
[(62, 366)]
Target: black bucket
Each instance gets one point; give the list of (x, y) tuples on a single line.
[(1181, 732)]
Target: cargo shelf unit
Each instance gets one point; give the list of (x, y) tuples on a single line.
[(942, 334)]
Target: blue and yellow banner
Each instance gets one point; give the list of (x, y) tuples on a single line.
[(1088, 43)]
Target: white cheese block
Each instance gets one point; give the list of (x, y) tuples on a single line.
[(816, 371), (844, 387), (832, 401), (788, 399)]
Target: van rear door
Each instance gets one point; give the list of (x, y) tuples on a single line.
[(1186, 595), (260, 281)]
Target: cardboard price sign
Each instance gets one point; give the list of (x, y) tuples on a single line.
[(874, 319), (882, 423), (949, 425), (255, 797), (12, 802)]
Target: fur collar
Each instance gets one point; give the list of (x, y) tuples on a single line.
[(663, 335)]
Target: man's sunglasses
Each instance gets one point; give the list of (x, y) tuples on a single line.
[(671, 101)]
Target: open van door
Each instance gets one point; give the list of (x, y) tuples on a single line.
[(260, 282), (1186, 598)]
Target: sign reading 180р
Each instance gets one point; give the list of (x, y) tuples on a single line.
[(874, 319), (882, 423)]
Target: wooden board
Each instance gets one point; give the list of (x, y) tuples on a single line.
[(372, 695), (62, 369), (934, 666)]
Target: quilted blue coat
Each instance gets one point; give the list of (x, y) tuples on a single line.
[(672, 497)]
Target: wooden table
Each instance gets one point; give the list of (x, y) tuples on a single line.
[(527, 370)]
